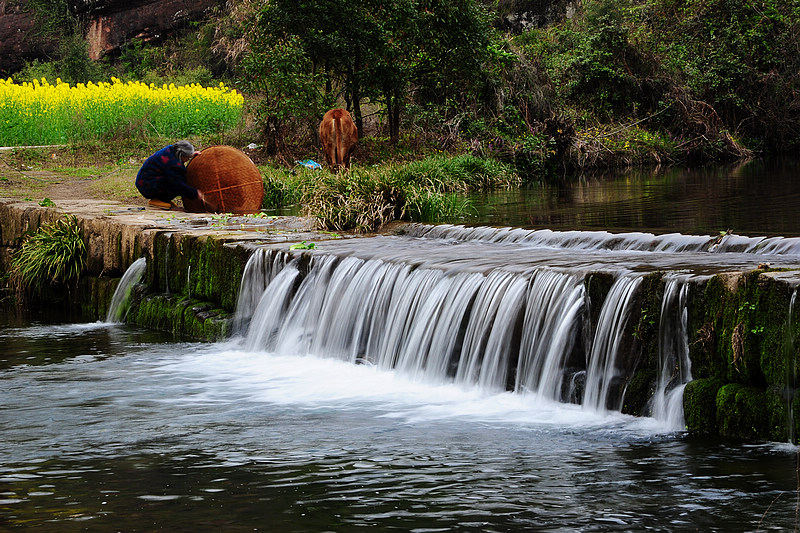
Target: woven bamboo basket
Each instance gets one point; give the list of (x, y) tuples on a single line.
[(230, 181)]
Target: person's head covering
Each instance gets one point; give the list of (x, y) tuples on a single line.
[(183, 149)]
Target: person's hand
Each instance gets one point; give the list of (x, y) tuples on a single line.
[(201, 196)]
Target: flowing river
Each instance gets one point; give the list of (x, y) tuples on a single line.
[(109, 427)]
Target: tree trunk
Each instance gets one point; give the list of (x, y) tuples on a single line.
[(355, 89)]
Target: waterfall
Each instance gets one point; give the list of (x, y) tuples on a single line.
[(675, 367), (791, 366), (433, 324), (475, 322), (265, 322), (603, 240), (603, 370), (496, 330), (259, 272), (552, 318), (121, 298)]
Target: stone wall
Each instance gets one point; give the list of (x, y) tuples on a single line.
[(194, 267)]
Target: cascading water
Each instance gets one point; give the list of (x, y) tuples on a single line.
[(593, 240), (675, 367), (493, 331), (258, 273), (791, 366), (603, 368), (121, 298), (553, 316), (491, 309)]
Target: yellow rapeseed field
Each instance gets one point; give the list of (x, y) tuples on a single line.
[(43, 113)]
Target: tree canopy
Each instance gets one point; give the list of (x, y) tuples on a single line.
[(366, 51)]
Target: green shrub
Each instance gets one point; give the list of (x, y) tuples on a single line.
[(54, 255)]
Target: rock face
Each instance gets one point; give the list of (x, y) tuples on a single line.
[(17, 42), (516, 16), (110, 24)]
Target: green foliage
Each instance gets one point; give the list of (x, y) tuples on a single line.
[(430, 190), (598, 70), (53, 255), (52, 18), (282, 188), (365, 49), (458, 173), (740, 57), (280, 72), (72, 64), (304, 245), (712, 73), (138, 59)]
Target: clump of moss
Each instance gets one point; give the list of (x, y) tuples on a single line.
[(700, 407), (740, 412)]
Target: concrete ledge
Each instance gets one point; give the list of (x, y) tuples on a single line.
[(190, 256)]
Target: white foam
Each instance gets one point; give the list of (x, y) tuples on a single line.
[(309, 382)]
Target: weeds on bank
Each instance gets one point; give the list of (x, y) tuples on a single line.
[(54, 255), (429, 190)]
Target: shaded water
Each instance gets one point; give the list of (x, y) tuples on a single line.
[(754, 198)]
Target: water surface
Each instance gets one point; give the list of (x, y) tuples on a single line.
[(107, 427), (752, 198)]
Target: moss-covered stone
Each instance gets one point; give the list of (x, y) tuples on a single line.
[(597, 285), (94, 295), (700, 407), (180, 316), (639, 392), (741, 413), (777, 407)]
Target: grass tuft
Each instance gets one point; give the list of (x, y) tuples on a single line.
[(54, 255)]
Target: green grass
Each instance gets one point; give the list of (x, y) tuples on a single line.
[(429, 190), (54, 255)]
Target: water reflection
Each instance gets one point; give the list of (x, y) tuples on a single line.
[(753, 198)]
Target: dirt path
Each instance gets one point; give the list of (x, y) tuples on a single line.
[(36, 185)]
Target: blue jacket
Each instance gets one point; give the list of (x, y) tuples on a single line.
[(163, 176)]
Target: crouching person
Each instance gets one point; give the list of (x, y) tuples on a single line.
[(163, 176)]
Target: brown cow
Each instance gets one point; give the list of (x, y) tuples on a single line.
[(338, 135)]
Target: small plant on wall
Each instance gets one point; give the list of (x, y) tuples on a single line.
[(53, 256)]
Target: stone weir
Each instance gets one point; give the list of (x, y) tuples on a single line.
[(618, 322), (194, 261)]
